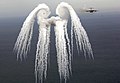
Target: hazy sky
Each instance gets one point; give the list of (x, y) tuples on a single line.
[(23, 7)]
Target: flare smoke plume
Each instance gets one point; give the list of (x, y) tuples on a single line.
[(64, 44)]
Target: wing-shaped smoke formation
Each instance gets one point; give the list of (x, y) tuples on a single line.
[(23, 42), (82, 41), (63, 47)]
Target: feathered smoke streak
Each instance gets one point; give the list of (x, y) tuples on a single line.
[(64, 46), (81, 37), (82, 41), (24, 39), (64, 65), (42, 47)]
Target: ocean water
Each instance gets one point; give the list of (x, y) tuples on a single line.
[(104, 33)]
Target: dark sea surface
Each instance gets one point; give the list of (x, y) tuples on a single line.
[(104, 33)]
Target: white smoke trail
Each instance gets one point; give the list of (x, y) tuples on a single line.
[(69, 47), (62, 54), (23, 42), (42, 52)]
